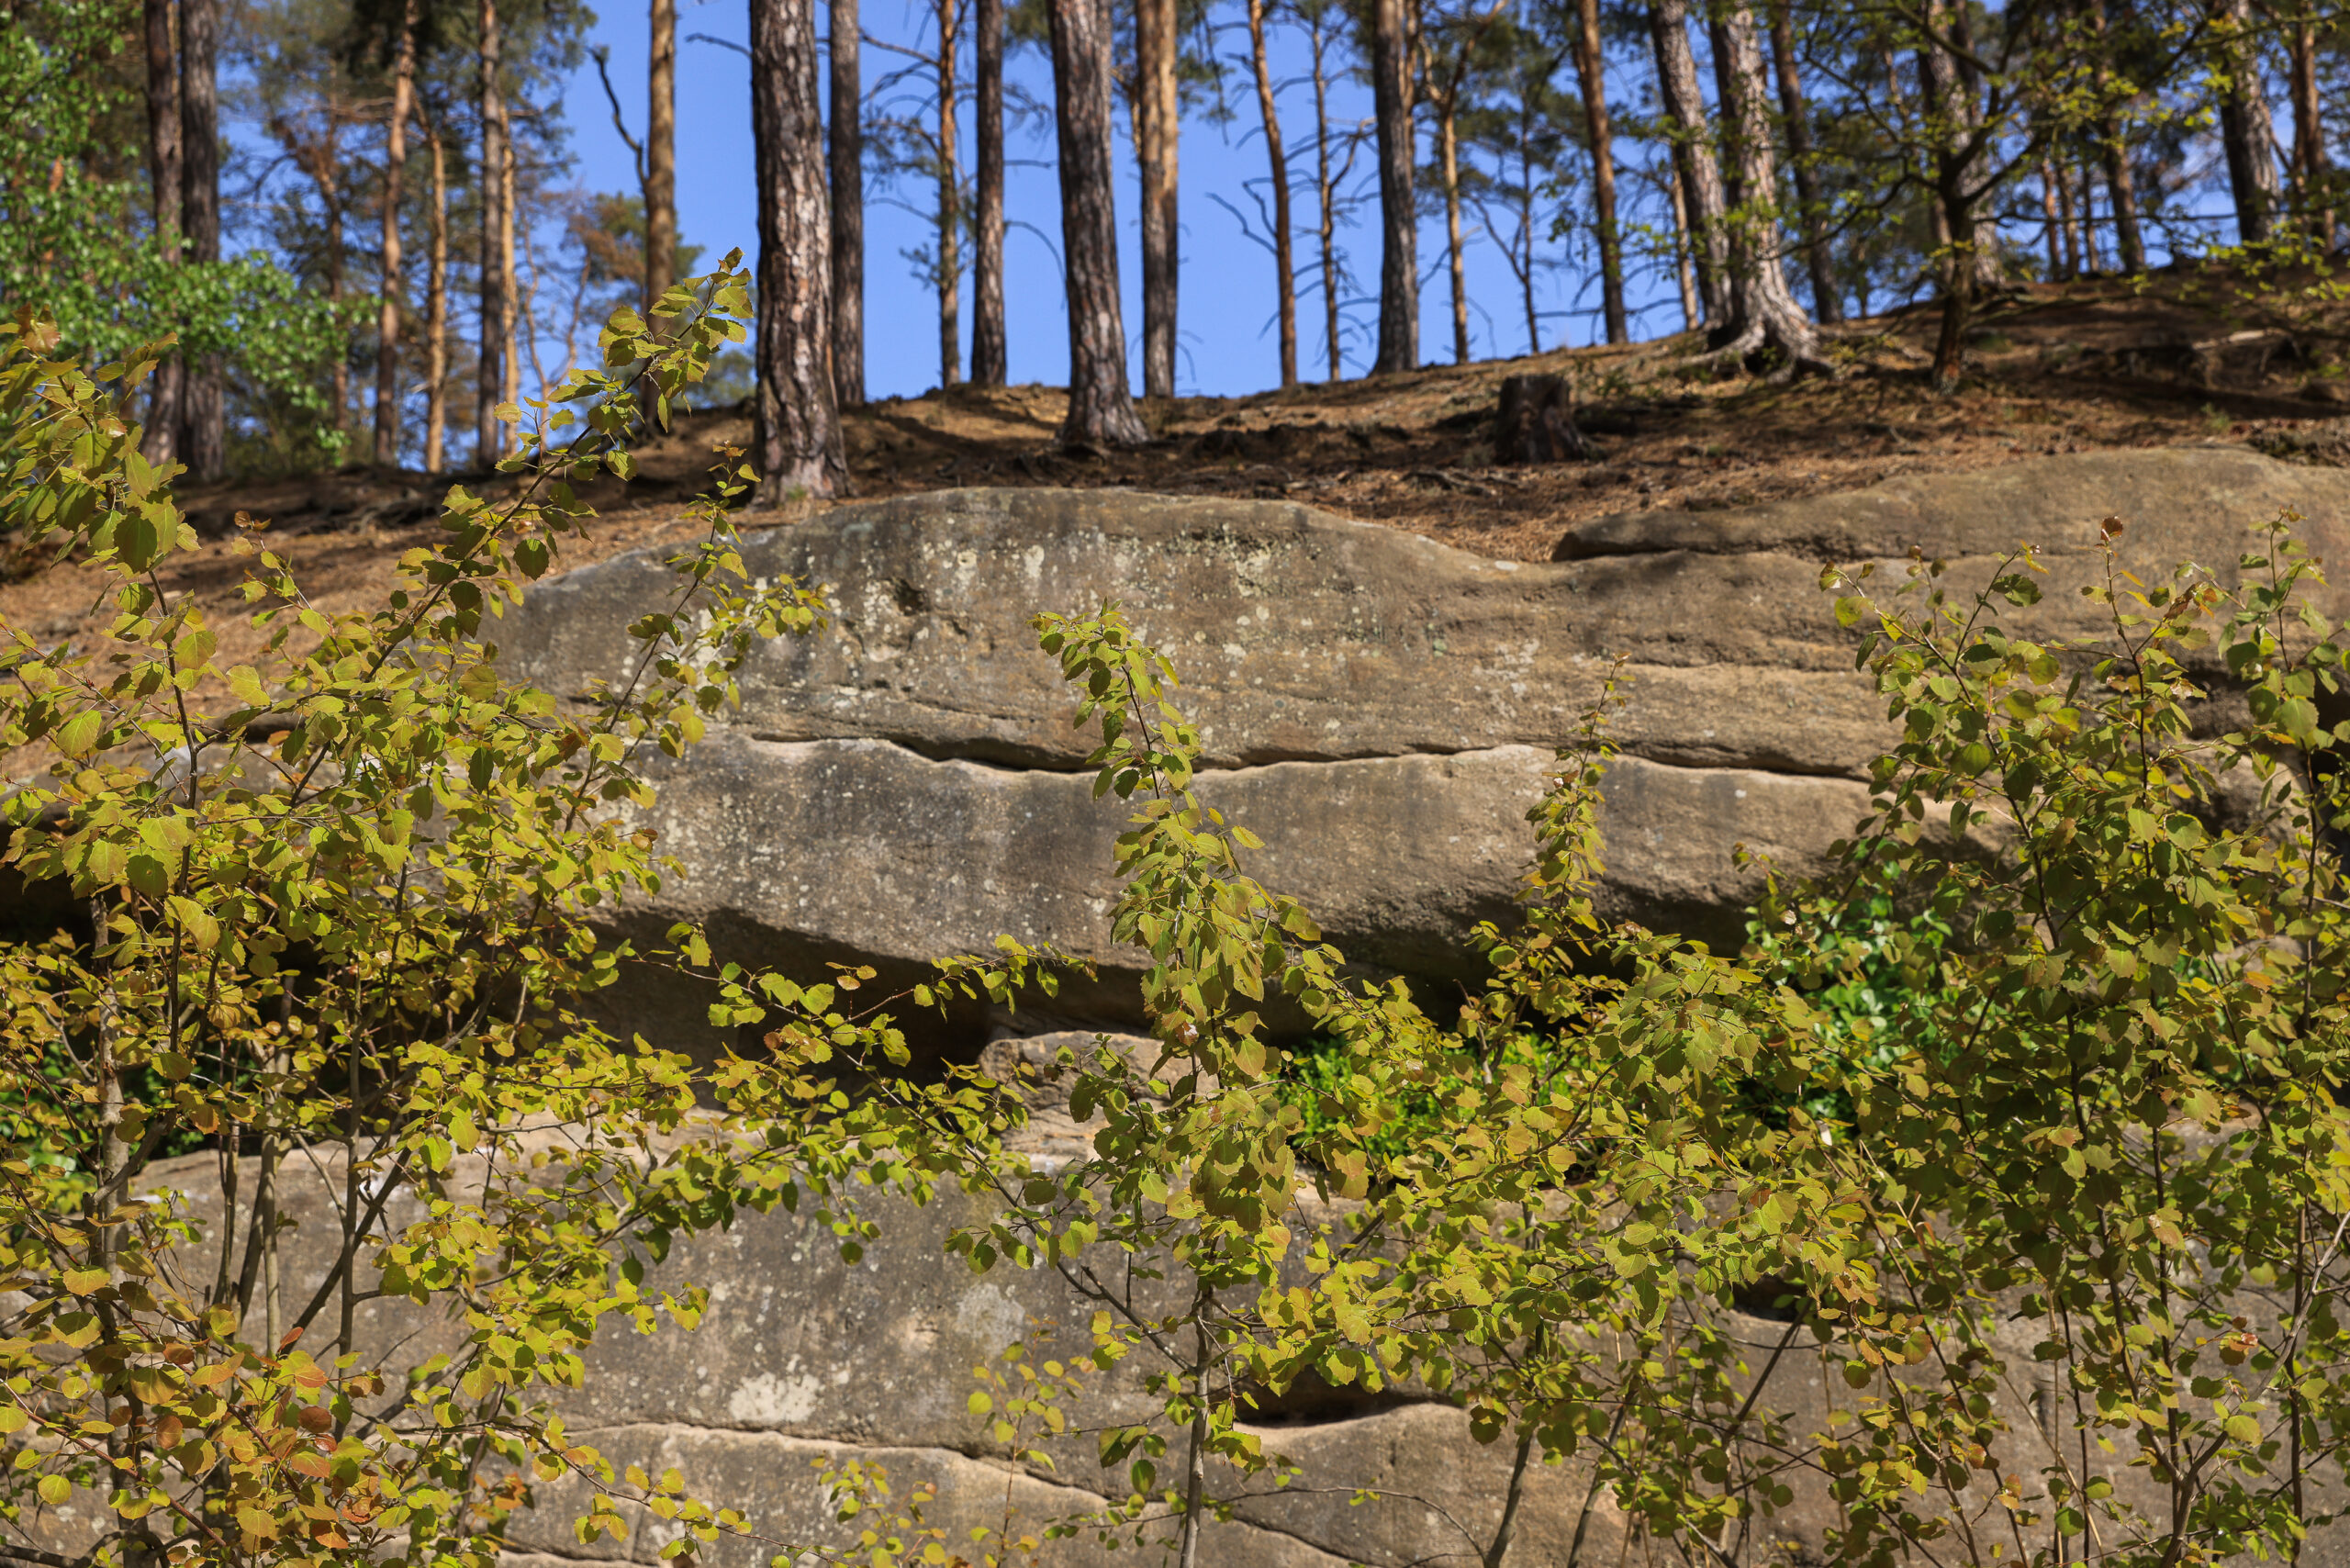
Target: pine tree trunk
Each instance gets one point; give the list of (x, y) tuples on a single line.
[(1399, 265), (1827, 299), (796, 429), (436, 308), (2246, 133), (1327, 193), (1685, 106), (2052, 227), (1763, 310), (847, 149), (160, 441), (1448, 144), (1101, 404), (1525, 117), (163, 145), (326, 172), (509, 295), (1958, 286), (2311, 201), (2092, 261), (1285, 257), (2128, 236), (1953, 205), (1158, 134), (950, 203), (395, 288), (1591, 69), (2121, 186), (1684, 250), (489, 383), (204, 435), (660, 153), (1726, 133), (991, 349), (2064, 216)]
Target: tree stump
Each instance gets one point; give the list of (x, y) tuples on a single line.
[(1537, 423)]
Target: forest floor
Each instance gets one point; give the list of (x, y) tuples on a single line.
[(2191, 354)]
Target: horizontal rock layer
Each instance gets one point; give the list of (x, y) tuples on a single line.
[(863, 847), (1381, 709), (804, 1357)]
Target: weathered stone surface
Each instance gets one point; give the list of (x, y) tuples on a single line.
[(2176, 504), (1380, 708), (1305, 637), (1300, 636), (806, 849), (805, 1357)]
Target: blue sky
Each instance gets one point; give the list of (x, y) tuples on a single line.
[(1227, 293)]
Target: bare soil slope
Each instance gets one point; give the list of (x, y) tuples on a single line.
[(2192, 354)]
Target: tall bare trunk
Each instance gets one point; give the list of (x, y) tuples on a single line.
[(326, 172), (846, 151), (950, 203), (509, 297), (1327, 191), (1685, 106), (2051, 226), (2092, 260), (1277, 158), (436, 307), (1763, 308), (1157, 131), (2247, 132), (204, 435), (1827, 299), (1955, 235), (1444, 97), (1399, 265), (2059, 175), (796, 436), (2119, 179), (1725, 125), (1524, 265), (661, 152), (159, 442), (490, 384), (394, 291), (2312, 199), (163, 146), (1448, 143), (2122, 186), (1684, 249), (1591, 69), (990, 348), (1101, 404)]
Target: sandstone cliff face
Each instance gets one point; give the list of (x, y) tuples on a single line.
[(1379, 709), (1382, 711)]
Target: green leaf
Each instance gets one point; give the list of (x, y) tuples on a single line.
[(203, 930), (79, 733)]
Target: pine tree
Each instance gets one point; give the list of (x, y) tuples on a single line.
[(796, 433), (1101, 404), (845, 150), (1399, 264)]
